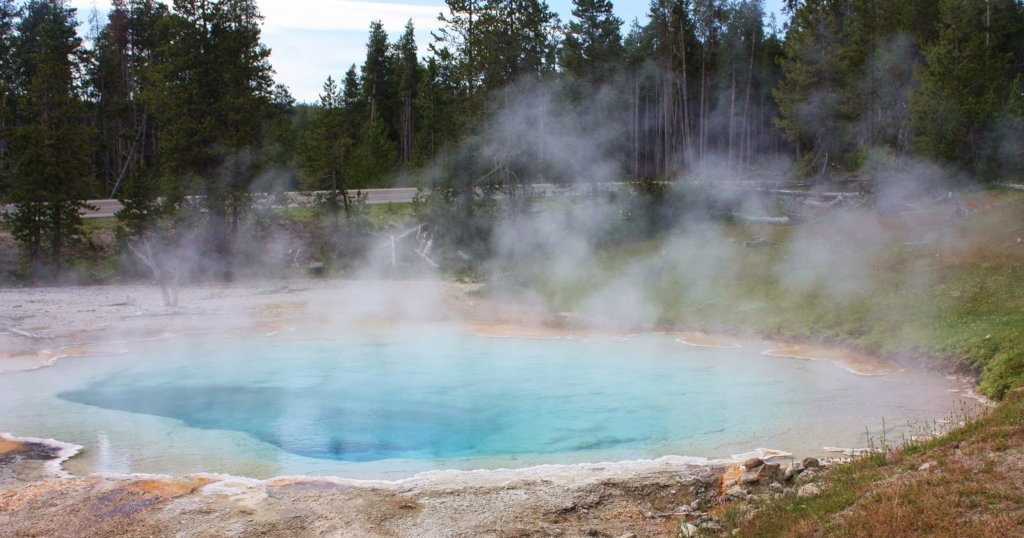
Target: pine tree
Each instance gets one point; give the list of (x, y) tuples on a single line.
[(49, 148), (408, 74), (517, 39), (375, 154), (742, 39), (457, 40), (212, 95), (436, 103), (326, 149), (123, 52), (964, 87), (809, 94), (664, 97), (496, 42), (592, 48), (8, 82), (377, 70)]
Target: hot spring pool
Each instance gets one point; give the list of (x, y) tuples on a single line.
[(435, 398)]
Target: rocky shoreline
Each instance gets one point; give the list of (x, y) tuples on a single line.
[(664, 497)]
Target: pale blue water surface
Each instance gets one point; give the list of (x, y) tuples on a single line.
[(431, 397)]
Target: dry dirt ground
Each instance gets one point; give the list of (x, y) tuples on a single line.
[(39, 325)]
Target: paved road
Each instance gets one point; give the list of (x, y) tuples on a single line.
[(107, 208)]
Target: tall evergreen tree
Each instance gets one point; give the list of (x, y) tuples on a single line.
[(8, 80), (212, 95), (325, 150), (436, 103), (49, 144), (735, 113), (123, 52), (494, 43), (809, 94), (377, 73), (592, 48), (408, 72), (457, 40), (965, 84), (664, 100), (374, 155), (517, 39)]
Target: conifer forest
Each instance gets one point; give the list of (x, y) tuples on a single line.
[(174, 110)]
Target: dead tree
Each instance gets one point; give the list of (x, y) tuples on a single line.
[(168, 278)]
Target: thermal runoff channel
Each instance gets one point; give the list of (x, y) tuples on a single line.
[(435, 397)]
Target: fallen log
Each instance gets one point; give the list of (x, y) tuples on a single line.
[(755, 219)]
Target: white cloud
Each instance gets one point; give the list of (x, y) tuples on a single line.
[(345, 14), (311, 39)]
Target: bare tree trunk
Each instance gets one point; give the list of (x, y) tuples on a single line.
[(687, 131), (403, 130), (646, 134), (666, 122), (703, 130), (732, 116), (636, 126), (745, 149), (168, 283)]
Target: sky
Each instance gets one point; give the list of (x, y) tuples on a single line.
[(311, 39)]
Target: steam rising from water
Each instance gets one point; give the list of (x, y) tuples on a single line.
[(555, 249)]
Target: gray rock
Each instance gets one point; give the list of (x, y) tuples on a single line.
[(711, 526), (752, 463), (768, 471), (789, 472), (749, 477), (809, 463), (708, 479), (808, 490), (806, 476), (687, 529), (736, 492)]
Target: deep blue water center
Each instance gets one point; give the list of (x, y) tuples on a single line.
[(445, 399), (434, 397)]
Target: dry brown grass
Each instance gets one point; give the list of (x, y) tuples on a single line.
[(969, 483)]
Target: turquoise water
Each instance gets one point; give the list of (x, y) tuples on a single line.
[(432, 398)]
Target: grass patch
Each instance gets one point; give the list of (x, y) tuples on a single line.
[(966, 483)]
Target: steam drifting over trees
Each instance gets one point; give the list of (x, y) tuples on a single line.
[(175, 105)]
